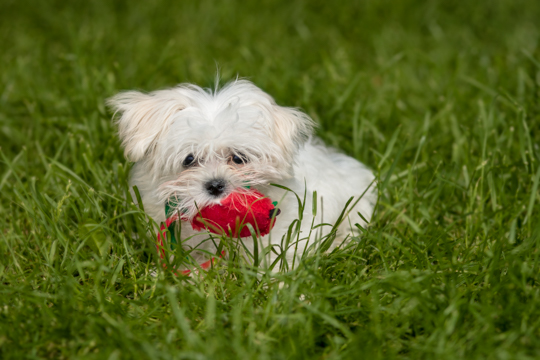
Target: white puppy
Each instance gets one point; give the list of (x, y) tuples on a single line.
[(197, 146)]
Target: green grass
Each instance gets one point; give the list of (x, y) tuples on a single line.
[(440, 98)]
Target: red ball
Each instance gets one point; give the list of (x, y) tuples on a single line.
[(235, 211)]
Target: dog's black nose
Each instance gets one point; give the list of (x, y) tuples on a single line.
[(215, 187)]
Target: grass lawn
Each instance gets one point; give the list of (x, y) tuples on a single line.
[(440, 98)]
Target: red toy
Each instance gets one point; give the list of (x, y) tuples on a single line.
[(228, 217), (234, 212)]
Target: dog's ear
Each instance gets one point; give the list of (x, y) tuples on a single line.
[(291, 129), (143, 118)]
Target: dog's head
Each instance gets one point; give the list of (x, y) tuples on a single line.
[(199, 145)]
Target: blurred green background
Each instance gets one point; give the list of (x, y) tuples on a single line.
[(398, 59), (440, 98)]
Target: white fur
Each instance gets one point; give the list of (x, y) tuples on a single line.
[(160, 129)]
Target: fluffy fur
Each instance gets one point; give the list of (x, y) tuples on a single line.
[(161, 129)]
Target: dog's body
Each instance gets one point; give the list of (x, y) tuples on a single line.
[(197, 146)]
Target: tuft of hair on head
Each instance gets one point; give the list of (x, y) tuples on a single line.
[(144, 118)]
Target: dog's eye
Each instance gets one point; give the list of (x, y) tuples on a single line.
[(239, 159), (189, 160)]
